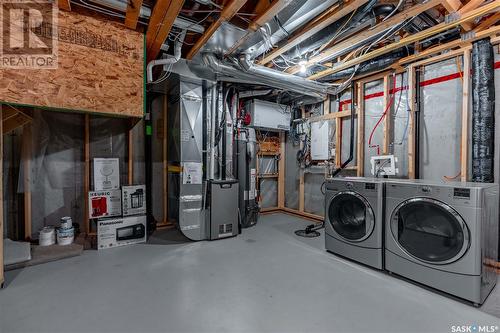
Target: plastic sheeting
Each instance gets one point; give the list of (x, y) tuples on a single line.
[(292, 174), (313, 198), (269, 192), (57, 169), (344, 100), (400, 120), (374, 108), (496, 53), (441, 122), (268, 165)]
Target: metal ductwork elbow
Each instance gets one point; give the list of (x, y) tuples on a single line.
[(245, 71)]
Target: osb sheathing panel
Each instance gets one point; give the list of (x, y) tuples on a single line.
[(87, 79)]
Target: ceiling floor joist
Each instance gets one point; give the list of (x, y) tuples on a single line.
[(382, 26), (469, 16), (227, 14), (314, 27), (133, 12), (160, 23), (64, 5)]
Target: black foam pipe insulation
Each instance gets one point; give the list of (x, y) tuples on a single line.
[(373, 65), (483, 111)]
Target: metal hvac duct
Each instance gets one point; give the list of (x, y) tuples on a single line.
[(245, 71)]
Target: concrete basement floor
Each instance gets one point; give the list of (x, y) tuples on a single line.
[(265, 280)]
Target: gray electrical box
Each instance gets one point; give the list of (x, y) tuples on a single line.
[(222, 202), (269, 115)]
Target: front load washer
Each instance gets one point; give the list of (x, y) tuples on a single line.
[(354, 219), (442, 234)]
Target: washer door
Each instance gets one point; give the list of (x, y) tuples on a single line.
[(351, 216), (430, 231)]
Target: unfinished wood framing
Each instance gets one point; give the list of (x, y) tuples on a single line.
[(130, 153), (312, 29), (281, 172), (360, 107), (64, 4), (310, 216), (26, 162), (1, 198), (301, 175), (466, 17), (229, 10), (388, 117), (161, 21), (330, 52), (464, 154), (86, 176), (411, 125), (133, 12)]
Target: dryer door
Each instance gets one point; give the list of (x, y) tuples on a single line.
[(430, 231), (351, 216)]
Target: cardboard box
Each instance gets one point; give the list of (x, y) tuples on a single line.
[(121, 231), (134, 200), (105, 203), (106, 174)]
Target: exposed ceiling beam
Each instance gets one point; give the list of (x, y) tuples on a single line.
[(263, 17), (64, 5), (493, 19), (161, 21), (452, 5), (472, 4), (478, 12), (449, 46), (227, 14), (133, 12), (382, 26), (314, 27)]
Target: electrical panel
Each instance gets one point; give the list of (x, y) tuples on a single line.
[(320, 140), (269, 115)]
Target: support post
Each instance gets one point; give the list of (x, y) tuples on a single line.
[(464, 165), (388, 116), (281, 172), (361, 127), (411, 129)]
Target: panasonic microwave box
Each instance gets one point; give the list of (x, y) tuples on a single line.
[(105, 203), (120, 231), (134, 200)]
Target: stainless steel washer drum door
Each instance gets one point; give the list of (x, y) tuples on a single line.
[(351, 216), (430, 231)]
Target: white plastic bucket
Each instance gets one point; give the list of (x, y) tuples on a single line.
[(65, 236), (47, 236), (66, 222)]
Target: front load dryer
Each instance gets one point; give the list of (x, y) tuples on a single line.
[(354, 219), (442, 234)]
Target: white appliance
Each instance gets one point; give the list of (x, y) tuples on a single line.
[(354, 219), (269, 115), (320, 131), (441, 235)]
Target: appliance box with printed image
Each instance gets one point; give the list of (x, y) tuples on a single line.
[(105, 204), (121, 231), (106, 174), (134, 200)]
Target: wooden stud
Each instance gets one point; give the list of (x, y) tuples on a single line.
[(86, 176), (1, 198), (130, 173), (442, 57), (281, 172), (338, 142), (493, 19), (301, 175), (64, 5), (452, 5), (361, 128), (26, 158), (468, 16), (312, 29), (326, 54), (165, 160), (227, 14), (464, 165), (133, 12), (160, 23), (388, 116), (305, 215), (411, 125), (471, 5)]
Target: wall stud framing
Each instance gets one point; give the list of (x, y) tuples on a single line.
[(360, 87), (281, 172), (464, 165), (26, 158), (86, 177), (411, 125), (1, 198), (388, 117)]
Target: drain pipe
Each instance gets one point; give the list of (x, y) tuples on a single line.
[(483, 111), (169, 60)]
